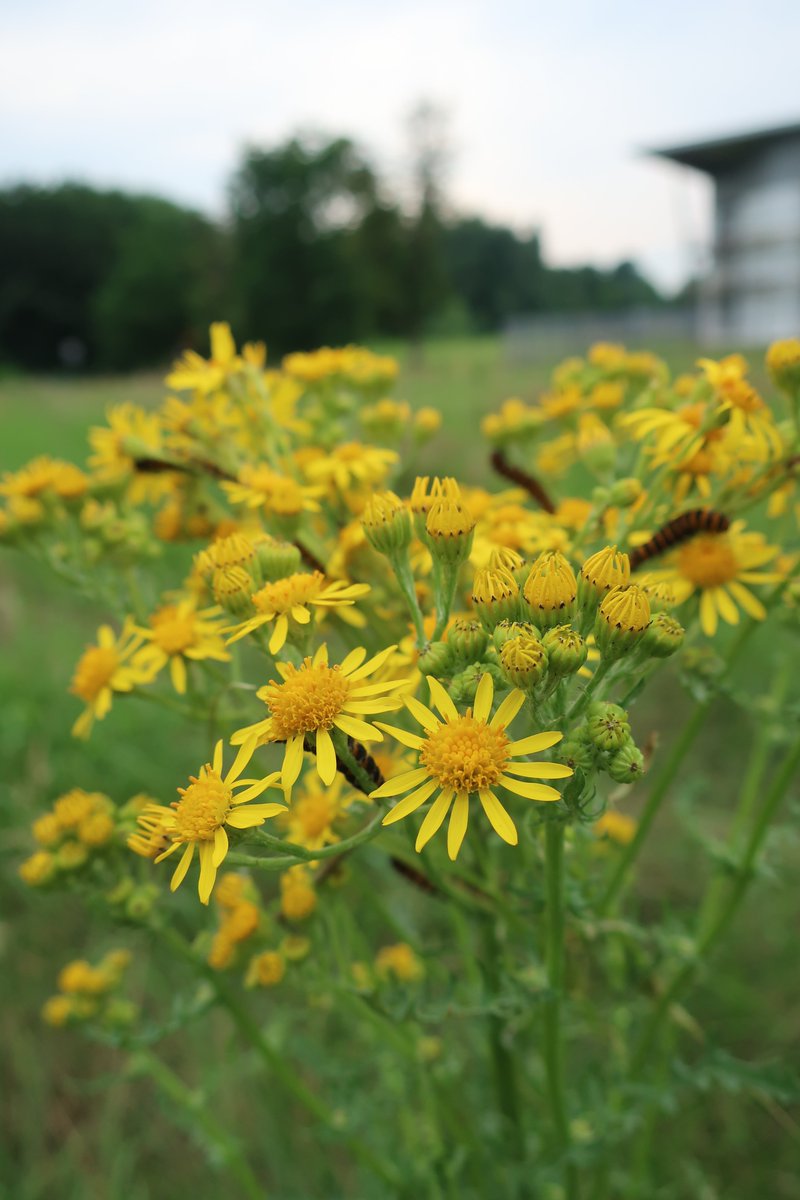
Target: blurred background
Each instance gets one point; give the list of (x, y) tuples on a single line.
[(479, 188)]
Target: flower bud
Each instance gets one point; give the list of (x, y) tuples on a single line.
[(661, 596), (423, 499), (625, 492), (616, 826), (601, 573), (566, 650), (663, 636), (551, 590), (387, 523), (436, 659), (466, 640), (232, 588), (427, 422), (450, 527), (623, 617), (39, 869), (523, 661), (783, 364), (595, 445), (607, 727), (627, 765), (578, 753), (512, 629), (495, 595), (277, 559), (464, 685)]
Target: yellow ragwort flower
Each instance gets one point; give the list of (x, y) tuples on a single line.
[(179, 632), (290, 599), (277, 494), (113, 665), (197, 822), (466, 755), (313, 700)]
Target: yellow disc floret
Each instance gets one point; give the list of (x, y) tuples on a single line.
[(203, 807), (465, 755)]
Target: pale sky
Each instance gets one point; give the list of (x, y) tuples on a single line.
[(549, 103)]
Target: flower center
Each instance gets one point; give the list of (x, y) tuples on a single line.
[(282, 596), (466, 755), (203, 807), (708, 562), (309, 698), (173, 633), (94, 672)]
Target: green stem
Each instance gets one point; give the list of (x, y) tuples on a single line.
[(445, 596), (275, 1061), (553, 1036), (504, 1068), (587, 693), (750, 791), (370, 831), (664, 780), (401, 565), (707, 940), (181, 1097)]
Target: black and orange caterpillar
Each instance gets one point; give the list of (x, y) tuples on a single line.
[(697, 520), (522, 479)]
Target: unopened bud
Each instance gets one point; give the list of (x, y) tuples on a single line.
[(523, 661), (607, 726), (663, 636), (566, 650), (627, 765)]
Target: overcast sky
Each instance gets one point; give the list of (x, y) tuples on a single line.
[(550, 103)]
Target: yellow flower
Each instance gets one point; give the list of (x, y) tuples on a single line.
[(783, 363), (265, 970), (179, 632), (289, 599), (298, 898), (717, 566), (42, 475), (194, 373), (131, 434), (57, 1011), (750, 419), (551, 589), (674, 433), (197, 821), (351, 465), (311, 819), (466, 755), (399, 961), (617, 826), (113, 665), (279, 495), (314, 699)]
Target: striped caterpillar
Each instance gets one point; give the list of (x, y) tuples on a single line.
[(698, 520)]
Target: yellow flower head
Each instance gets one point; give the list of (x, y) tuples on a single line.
[(461, 756), (311, 819), (178, 632), (210, 803), (290, 599), (278, 495), (193, 373), (351, 465), (423, 496), (783, 363), (113, 665), (45, 475), (551, 589), (315, 699), (265, 970), (399, 961), (607, 569), (626, 608)]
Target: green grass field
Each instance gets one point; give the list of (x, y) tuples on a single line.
[(71, 1127)]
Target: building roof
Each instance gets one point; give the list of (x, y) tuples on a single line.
[(717, 154)]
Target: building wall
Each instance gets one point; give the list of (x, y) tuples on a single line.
[(753, 292)]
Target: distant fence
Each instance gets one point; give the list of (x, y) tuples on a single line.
[(532, 338)]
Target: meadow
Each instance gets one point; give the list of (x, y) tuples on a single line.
[(75, 1128)]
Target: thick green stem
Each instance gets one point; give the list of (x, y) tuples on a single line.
[(184, 1099), (445, 596), (587, 693), (553, 1049), (707, 940)]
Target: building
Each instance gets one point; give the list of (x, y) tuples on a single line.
[(752, 293)]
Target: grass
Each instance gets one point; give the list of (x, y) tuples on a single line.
[(72, 1128)]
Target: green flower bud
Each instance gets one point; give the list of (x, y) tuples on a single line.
[(625, 492), (387, 524), (467, 640), (140, 903), (232, 588), (577, 753), (523, 661), (663, 636), (120, 1013), (511, 629), (627, 765), (464, 685), (607, 727), (71, 856), (566, 650), (436, 659), (275, 559)]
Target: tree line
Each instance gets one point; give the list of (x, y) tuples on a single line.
[(314, 249)]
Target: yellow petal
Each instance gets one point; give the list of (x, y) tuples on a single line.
[(708, 613), (410, 803), (535, 743), (531, 791), (508, 709), (500, 820), (220, 845), (208, 872), (539, 770), (292, 761), (427, 719), (457, 828), (441, 700), (400, 783), (357, 729), (433, 819), (183, 866), (278, 635), (483, 699), (412, 740), (326, 757)]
